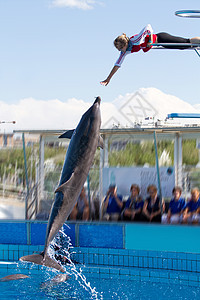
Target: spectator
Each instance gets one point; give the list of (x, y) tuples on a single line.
[(176, 206), (151, 208), (112, 204), (192, 208), (81, 209), (134, 205)]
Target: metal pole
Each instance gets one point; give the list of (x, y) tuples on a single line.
[(106, 164), (178, 159), (26, 176), (158, 170), (89, 199), (41, 168), (101, 165)]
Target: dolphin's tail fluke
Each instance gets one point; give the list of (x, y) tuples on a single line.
[(40, 260)]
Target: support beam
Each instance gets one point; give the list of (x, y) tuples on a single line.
[(26, 176), (106, 163), (102, 164), (41, 170), (178, 159), (158, 169)]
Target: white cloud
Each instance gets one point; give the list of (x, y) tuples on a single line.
[(197, 106), (32, 114), (81, 4), (39, 114)]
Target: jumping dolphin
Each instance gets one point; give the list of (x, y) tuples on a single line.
[(79, 157)]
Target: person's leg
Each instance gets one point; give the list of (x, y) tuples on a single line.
[(106, 217), (114, 217), (175, 219), (164, 219), (86, 213), (184, 218), (124, 217), (73, 213), (163, 37), (195, 219)]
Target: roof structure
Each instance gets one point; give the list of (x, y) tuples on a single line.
[(189, 132)]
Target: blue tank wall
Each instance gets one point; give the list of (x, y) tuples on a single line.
[(149, 237), (177, 238)]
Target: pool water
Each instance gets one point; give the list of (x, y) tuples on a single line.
[(96, 281), (80, 286)]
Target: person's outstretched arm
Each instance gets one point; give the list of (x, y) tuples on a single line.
[(112, 72)]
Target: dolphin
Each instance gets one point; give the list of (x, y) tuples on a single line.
[(13, 277), (79, 157)]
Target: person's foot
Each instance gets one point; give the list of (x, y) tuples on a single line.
[(195, 40)]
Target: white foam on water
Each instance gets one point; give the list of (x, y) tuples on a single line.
[(64, 242)]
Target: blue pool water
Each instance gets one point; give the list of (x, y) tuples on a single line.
[(81, 285), (103, 273)]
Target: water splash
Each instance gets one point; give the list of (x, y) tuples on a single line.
[(62, 249)]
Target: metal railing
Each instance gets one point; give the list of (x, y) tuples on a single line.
[(31, 203)]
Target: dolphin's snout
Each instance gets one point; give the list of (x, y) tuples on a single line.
[(97, 100)]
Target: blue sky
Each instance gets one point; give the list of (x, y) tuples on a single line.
[(61, 49)]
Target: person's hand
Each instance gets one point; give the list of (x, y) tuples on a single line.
[(105, 82), (149, 45), (108, 193), (115, 193)]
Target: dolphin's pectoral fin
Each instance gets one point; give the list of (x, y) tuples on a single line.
[(100, 142), (63, 186), (60, 189), (67, 135)]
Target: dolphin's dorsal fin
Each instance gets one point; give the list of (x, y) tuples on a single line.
[(100, 142), (67, 135), (62, 187)]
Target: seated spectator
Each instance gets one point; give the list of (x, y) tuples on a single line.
[(151, 209), (191, 213), (112, 204), (81, 209), (134, 205), (176, 206)]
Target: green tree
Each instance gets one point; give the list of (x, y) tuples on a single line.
[(190, 152)]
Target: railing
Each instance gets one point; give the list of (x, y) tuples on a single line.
[(31, 204)]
